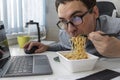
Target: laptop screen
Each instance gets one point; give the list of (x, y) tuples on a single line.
[(4, 48)]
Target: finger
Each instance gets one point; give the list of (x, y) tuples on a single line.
[(42, 48), (34, 43), (39, 50), (31, 44), (26, 45), (95, 36), (100, 32)]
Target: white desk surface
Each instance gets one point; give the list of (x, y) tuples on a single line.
[(60, 72)]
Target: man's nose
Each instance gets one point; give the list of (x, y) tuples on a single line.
[(71, 27)]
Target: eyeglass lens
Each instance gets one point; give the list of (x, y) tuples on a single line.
[(74, 21)]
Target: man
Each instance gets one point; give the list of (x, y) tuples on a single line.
[(78, 17), (82, 17)]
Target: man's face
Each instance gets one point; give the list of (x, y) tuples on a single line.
[(76, 8)]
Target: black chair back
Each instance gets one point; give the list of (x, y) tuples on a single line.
[(105, 7)]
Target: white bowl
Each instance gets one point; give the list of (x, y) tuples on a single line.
[(78, 65)]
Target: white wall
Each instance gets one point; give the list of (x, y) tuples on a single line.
[(51, 20)]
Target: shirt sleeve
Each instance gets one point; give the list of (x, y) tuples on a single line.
[(63, 44), (57, 47)]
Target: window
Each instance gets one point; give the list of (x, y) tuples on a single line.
[(15, 13)]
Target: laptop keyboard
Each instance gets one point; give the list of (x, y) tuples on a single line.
[(21, 64)]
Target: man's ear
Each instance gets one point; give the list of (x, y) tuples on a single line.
[(96, 11)]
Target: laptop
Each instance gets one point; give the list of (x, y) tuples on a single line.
[(11, 66)]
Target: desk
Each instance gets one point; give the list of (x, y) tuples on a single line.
[(60, 72)]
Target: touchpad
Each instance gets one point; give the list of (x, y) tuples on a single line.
[(41, 64)]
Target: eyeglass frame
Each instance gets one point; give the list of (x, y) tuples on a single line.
[(67, 22)]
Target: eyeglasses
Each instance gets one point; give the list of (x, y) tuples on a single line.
[(75, 21)]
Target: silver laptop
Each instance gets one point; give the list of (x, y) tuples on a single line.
[(20, 65)]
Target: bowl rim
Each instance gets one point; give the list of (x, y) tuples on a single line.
[(60, 54)]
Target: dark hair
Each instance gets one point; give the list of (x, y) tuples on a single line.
[(88, 3)]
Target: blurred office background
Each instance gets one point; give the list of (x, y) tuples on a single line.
[(15, 13)]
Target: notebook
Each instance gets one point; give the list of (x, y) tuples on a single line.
[(11, 66)]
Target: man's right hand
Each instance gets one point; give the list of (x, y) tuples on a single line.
[(41, 47)]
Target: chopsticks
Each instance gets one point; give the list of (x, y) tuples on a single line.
[(109, 34)]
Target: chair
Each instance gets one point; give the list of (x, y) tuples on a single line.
[(107, 8)]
